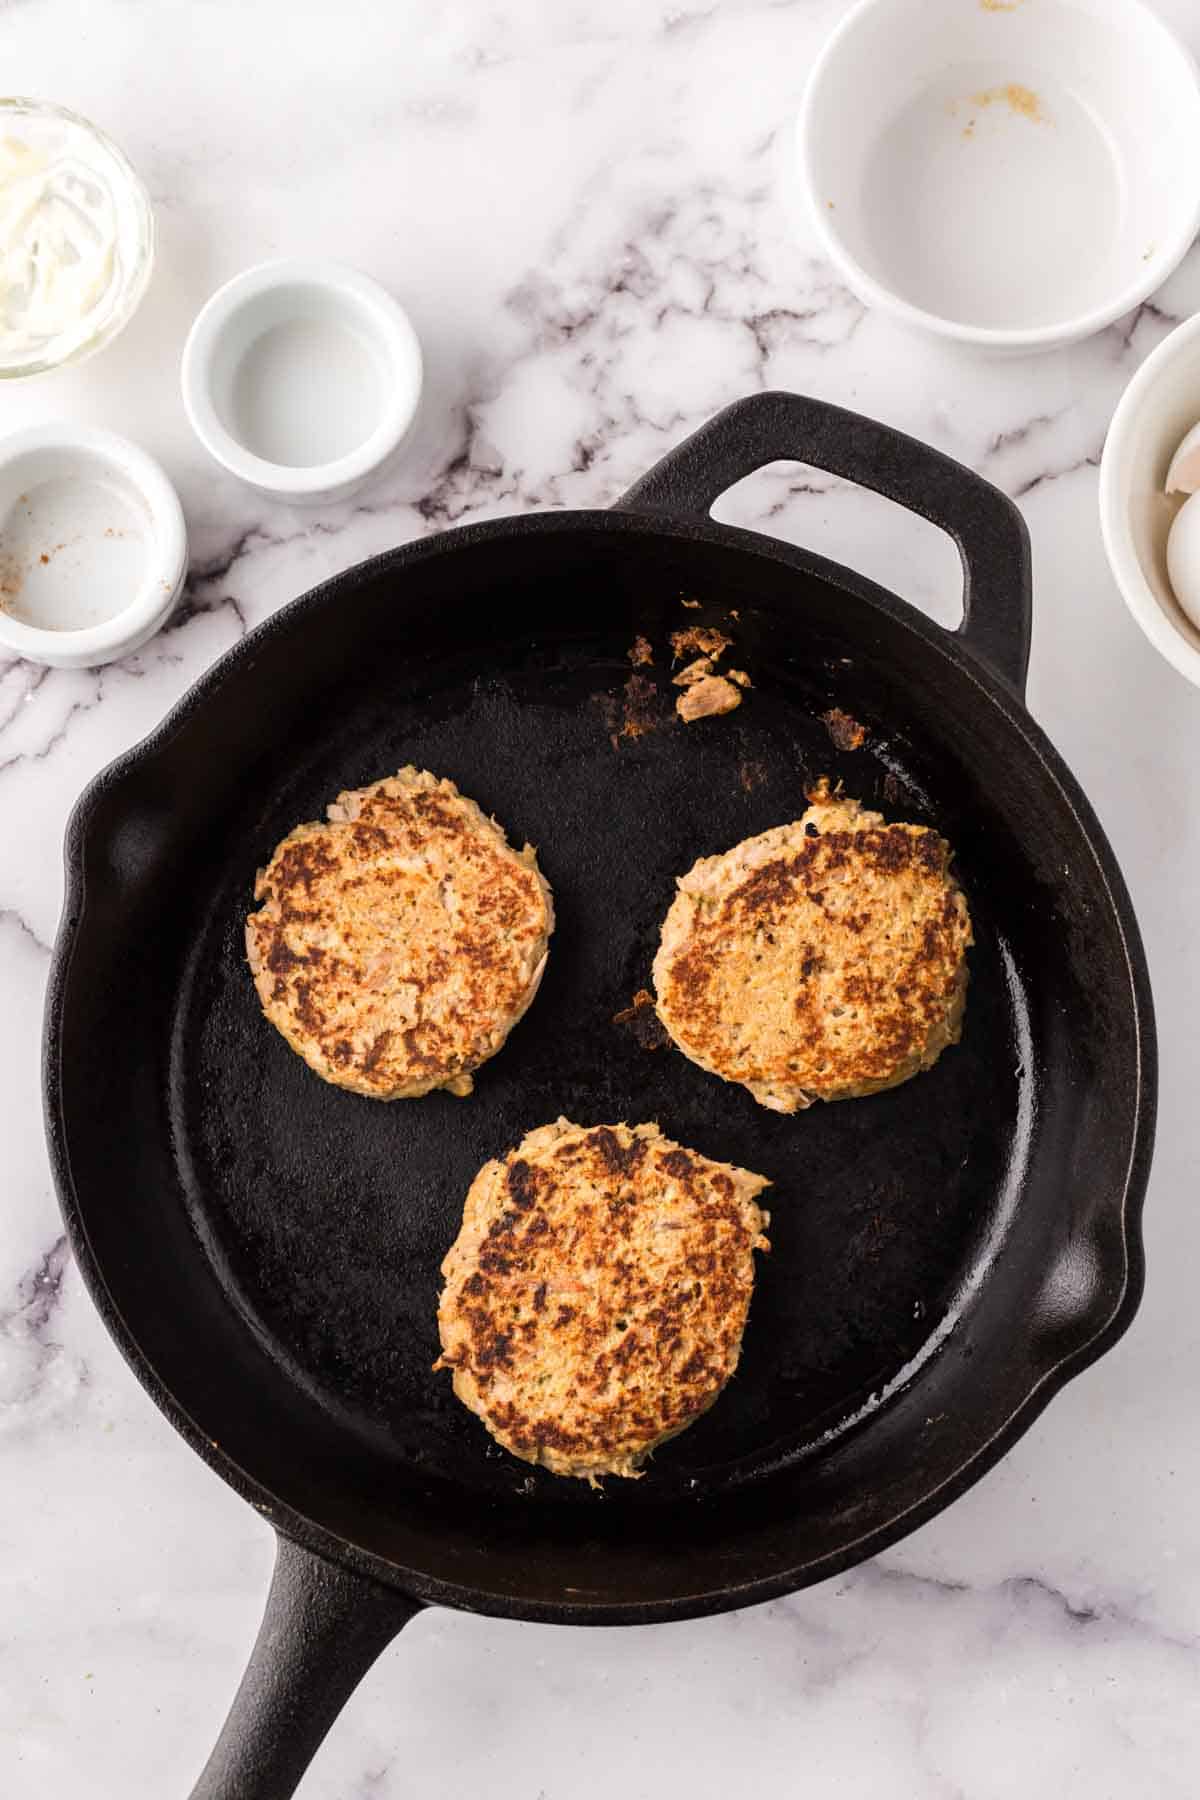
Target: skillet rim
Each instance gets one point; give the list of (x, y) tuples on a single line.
[(1055, 1371)]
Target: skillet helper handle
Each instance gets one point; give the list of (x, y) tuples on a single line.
[(322, 1629), (775, 427)]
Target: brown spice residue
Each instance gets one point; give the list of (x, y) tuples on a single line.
[(12, 579), (1019, 99), (844, 730), (641, 1020), (640, 652), (752, 775)]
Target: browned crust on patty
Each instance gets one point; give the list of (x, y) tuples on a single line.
[(397, 944), (597, 1293), (824, 959)]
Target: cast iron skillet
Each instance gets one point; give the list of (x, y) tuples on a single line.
[(265, 1248)]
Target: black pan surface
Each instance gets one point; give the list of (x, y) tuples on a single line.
[(326, 1214)]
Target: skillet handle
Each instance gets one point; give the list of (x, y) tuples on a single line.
[(984, 523), (322, 1629)]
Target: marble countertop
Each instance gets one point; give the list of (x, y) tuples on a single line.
[(586, 208)]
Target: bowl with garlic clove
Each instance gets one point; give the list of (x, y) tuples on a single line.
[(1150, 497)]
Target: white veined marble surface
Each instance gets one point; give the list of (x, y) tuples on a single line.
[(586, 208)]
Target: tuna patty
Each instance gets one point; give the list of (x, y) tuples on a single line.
[(397, 945), (822, 960), (597, 1292)]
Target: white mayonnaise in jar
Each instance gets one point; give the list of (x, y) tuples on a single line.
[(76, 238)]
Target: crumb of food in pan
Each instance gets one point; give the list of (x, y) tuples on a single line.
[(699, 640), (707, 698), (692, 605), (642, 1022), (739, 676), (641, 651), (695, 671), (844, 729), (641, 710), (633, 712)]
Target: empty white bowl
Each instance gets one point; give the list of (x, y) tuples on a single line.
[(93, 549), (1161, 403), (1014, 174), (302, 379)]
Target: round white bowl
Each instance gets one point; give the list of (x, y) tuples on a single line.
[(1161, 403), (1013, 174), (93, 547), (60, 135), (302, 379)]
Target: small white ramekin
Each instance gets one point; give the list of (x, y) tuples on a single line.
[(1010, 174), (245, 320), (1159, 406), (90, 529)]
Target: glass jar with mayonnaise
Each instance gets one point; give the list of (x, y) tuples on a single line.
[(76, 238)]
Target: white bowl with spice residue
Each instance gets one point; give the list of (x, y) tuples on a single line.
[(93, 548), (76, 238), (302, 379), (1154, 414), (1011, 174)]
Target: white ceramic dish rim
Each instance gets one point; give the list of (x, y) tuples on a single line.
[(399, 404), (134, 291), (1136, 591), (166, 560), (1164, 262)]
